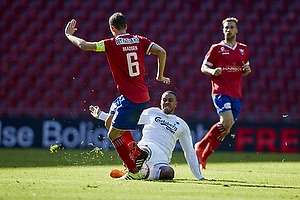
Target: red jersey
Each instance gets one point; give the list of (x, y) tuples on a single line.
[(230, 59), (125, 54)]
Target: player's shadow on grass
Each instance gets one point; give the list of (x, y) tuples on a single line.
[(228, 183)]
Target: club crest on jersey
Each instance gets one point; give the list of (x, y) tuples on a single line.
[(242, 51)]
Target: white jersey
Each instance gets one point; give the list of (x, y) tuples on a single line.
[(164, 130)]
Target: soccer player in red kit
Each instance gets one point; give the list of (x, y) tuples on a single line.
[(227, 62), (125, 54)]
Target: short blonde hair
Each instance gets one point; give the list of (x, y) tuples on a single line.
[(231, 19)]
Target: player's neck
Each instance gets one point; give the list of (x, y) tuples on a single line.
[(120, 33), (230, 42)]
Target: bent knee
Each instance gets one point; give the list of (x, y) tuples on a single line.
[(166, 173), (227, 124), (114, 133)]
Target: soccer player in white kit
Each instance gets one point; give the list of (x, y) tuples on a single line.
[(161, 131)]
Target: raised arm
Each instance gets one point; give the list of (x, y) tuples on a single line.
[(81, 43), (161, 61)]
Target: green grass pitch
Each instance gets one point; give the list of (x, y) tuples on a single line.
[(84, 174)]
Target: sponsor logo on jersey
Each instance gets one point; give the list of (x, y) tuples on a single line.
[(133, 40), (169, 126), (232, 68), (224, 51)]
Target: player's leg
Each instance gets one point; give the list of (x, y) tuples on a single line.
[(158, 162), (222, 104), (108, 120), (215, 131), (227, 119), (115, 135), (121, 147), (210, 148), (161, 171), (126, 118), (134, 149), (167, 172), (128, 137), (124, 153)]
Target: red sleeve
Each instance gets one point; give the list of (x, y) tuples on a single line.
[(146, 43), (211, 56)]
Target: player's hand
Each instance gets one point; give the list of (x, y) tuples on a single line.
[(217, 71), (95, 110), (246, 69), (164, 80), (70, 28)]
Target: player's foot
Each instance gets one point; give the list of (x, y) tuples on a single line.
[(203, 164), (139, 161), (199, 151), (115, 173), (131, 176)]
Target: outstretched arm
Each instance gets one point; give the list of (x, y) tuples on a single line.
[(81, 43), (190, 155), (161, 61)]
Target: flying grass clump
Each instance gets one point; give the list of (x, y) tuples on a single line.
[(54, 148), (98, 150)]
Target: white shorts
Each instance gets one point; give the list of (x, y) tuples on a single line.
[(157, 157)]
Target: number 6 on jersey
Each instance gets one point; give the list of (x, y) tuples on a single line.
[(133, 57)]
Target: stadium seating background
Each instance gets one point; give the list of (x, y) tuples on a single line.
[(44, 75)]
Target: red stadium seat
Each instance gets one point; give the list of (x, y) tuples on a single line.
[(186, 29)]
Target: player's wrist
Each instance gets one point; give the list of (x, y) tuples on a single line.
[(99, 115), (102, 115)]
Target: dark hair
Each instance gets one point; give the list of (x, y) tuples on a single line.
[(118, 21), (231, 19), (171, 92)]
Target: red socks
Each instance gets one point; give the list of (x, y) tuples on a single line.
[(211, 147), (122, 145), (127, 137), (211, 140), (214, 132), (124, 153), (133, 147)]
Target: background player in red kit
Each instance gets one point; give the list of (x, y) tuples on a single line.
[(227, 62), (125, 54)]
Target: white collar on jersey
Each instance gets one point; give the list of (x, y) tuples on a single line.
[(123, 35), (233, 48)]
